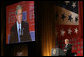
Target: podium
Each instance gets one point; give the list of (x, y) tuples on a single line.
[(57, 52)]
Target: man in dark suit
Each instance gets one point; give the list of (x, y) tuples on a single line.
[(68, 48), (20, 30)]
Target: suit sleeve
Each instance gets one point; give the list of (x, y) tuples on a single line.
[(11, 36), (27, 32), (69, 47)]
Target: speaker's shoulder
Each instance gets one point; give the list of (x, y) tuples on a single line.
[(14, 26), (70, 44), (24, 23)]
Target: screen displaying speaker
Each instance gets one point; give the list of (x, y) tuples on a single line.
[(20, 22)]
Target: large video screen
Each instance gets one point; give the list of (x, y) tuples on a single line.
[(20, 22)]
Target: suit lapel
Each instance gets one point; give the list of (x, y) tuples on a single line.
[(21, 25), (16, 33), (21, 30)]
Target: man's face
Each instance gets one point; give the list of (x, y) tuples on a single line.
[(19, 15), (66, 42)]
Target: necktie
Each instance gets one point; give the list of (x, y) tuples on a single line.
[(19, 32)]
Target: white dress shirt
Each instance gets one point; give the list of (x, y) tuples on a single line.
[(19, 32)]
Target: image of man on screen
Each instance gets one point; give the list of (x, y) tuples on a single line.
[(20, 30)]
